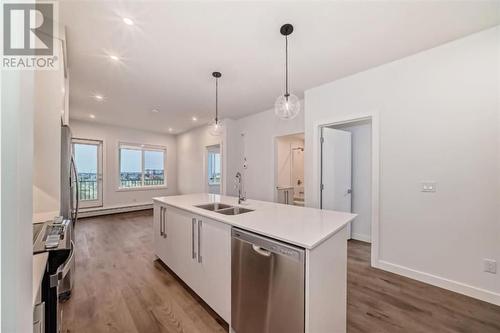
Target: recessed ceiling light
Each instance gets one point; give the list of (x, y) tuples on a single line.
[(128, 21), (91, 116), (170, 129), (99, 97), (155, 110), (194, 118), (114, 57)]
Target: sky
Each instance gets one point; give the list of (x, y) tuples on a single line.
[(86, 159)]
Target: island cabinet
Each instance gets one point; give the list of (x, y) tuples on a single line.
[(198, 250)]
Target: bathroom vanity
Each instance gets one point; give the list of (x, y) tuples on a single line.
[(215, 244)]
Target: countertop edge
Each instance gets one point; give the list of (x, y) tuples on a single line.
[(202, 212)]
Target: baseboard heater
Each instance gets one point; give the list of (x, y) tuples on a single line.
[(112, 210)]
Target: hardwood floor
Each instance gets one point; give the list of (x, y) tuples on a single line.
[(379, 301), (118, 288)]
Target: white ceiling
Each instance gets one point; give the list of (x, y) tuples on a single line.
[(169, 54)]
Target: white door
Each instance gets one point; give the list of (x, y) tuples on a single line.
[(336, 160), (88, 160)]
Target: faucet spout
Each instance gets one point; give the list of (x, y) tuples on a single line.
[(241, 198)]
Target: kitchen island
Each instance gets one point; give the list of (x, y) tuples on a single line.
[(193, 236)]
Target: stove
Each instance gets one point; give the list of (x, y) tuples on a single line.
[(55, 237)]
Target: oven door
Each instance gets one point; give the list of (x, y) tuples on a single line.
[(63, 275), (53, 314)]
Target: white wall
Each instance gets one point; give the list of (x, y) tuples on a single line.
[(111, 137), (439, 120), (254, 137), (17, 96), (191, 152), (361, 179)]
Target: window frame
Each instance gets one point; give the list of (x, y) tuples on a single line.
[(213, 152), (142, 148)]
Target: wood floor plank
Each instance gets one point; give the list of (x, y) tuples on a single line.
[(120, 288)]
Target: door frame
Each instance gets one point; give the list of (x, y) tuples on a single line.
[(375, 172), (275, 158), (100, 171), (205, 167)]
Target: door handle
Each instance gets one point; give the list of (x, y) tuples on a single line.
[(193, 251), (261, 251), (161, 221), (200, 259), (164, 222)]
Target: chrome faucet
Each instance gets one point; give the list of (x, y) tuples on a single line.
[(241, 198)]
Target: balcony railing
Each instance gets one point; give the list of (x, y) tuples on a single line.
[(87, 189), (138, 183)]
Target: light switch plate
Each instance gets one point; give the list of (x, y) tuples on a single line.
[(490, 266), (428, 186)]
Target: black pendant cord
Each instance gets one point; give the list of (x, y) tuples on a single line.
[(216, 100), (286, 68)]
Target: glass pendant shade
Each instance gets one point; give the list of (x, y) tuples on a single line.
[(287, 107), (215, 128)]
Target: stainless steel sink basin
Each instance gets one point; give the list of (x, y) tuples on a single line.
[(214, 206), (234, 211), (224, 209)]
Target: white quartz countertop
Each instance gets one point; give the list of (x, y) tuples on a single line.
[(301, 226), (39, 264)]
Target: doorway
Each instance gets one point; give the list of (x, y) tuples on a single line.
[(213, 169), (289, 169), (88, 160), (346, 173)]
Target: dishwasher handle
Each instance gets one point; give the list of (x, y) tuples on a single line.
[(261, 251)]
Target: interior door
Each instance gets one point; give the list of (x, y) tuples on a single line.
[(336, 162), (88, 160)]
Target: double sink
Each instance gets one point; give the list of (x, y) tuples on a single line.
[(224, 209)]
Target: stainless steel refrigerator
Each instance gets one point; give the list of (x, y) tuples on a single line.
[(69, 199), (69, 177)]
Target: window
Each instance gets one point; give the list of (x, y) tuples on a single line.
[(141, 166), (213, 167)]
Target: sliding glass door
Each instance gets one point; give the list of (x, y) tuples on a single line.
[(88, 160)]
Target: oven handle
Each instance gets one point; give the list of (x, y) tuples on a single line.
[(63, 270)]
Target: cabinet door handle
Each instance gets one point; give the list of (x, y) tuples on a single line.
[(193, 251), (164, 222), (200, 259), (161, 221)]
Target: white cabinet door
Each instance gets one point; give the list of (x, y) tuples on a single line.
[(198, 250), (180, 241), (159, 242), (214, 277)]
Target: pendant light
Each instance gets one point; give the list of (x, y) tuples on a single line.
[(215, 127), (287, 106)]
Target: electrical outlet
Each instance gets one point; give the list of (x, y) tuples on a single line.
[(490, 265), (429, 186)]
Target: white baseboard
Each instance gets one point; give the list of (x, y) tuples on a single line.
[(361, 237), (89, 212), (455, 286)]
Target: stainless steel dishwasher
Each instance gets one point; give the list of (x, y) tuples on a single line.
[(267, 285)]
